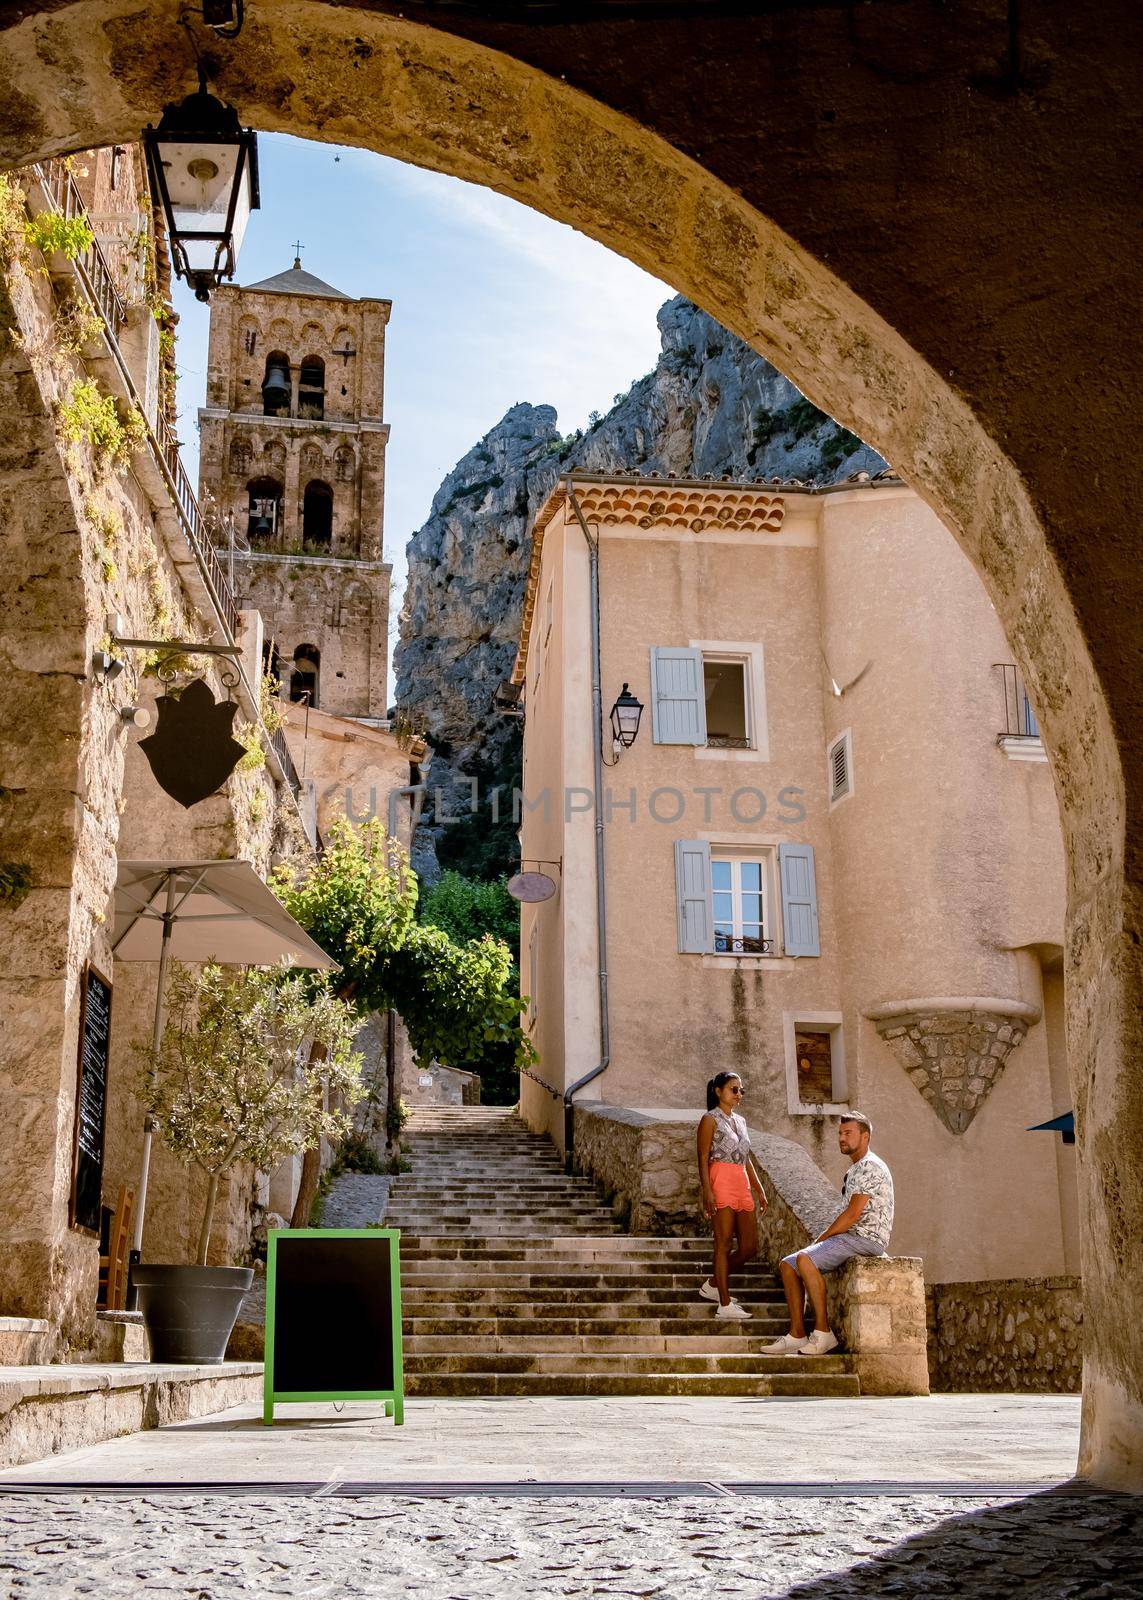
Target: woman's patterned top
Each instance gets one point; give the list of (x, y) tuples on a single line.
[(731, 1141)]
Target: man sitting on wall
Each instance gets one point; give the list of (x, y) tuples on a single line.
[(861, 1229)]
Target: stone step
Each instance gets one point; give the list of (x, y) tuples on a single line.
[(590, 1296), (463, 1384), (601, 1280), (622, 1362), (427, 1337)]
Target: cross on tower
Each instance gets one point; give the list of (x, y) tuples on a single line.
[(297, 255)]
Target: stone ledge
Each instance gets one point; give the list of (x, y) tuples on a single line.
[(48, 1409)]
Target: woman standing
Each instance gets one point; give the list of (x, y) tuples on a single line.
[(729, 1183)]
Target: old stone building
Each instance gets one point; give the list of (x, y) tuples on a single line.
[(293, 455), (102, 541)]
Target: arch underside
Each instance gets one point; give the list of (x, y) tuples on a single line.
[(92, 73)]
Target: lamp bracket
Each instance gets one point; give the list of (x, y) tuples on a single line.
[(180, 647)]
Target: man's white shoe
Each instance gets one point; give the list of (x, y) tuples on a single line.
[(733, 1313), (787, 1345), (820, 1342), (709, 1291)]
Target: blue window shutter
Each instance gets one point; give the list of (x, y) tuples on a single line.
[(799, 900), (692, 892), (678, 697)]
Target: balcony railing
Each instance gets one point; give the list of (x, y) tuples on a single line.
[(97, 280), (1019, 718)]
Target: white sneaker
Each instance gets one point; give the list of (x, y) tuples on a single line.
[(733, 1313), (820, 1342), (787, 1345), (708, 1291)]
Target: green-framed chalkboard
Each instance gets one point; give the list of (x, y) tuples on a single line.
[(333, 1317)]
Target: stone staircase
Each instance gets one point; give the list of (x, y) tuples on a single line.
[(517, 1281)]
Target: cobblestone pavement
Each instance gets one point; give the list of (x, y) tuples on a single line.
[(1058, 1546)]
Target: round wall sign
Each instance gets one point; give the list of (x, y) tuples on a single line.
[(531, 886)]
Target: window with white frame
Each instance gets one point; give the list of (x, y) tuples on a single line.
[(742, 900), (839, 760), (711, 694), (815, 1062), (727, 897), (726, 693)]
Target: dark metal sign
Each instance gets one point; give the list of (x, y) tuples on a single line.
[(91, 1100), (192, 751)]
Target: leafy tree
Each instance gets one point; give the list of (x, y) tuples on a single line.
[(466, 908), (455, 998), (225, 1085)]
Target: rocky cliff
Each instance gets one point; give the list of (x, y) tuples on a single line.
[(711, 407)]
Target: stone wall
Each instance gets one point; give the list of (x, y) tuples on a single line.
[(1012, 1335), (645, 1164)]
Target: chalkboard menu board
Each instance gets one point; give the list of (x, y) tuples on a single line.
[(91, 1100), (333, 1317)]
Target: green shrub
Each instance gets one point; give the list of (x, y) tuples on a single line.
[(50, 233), (88, 416)]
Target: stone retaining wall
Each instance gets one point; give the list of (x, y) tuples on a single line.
[(644, 1162), (1010, 1335)]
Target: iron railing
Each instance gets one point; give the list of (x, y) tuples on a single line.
[(1019, 718), (98, 281)]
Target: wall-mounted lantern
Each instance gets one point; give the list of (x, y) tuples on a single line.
[(625, 715), (203, 167)]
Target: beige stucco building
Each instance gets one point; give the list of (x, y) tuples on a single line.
[(293, 458), (852, 898)]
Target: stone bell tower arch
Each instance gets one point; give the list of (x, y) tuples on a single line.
[(293, 453)]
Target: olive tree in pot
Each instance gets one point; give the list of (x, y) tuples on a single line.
[(230, 1085)]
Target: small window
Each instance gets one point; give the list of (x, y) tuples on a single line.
[(271, 661), (741, 900), (264, 509), (305, 678), (727, 702), (317, 514), (548, 610), (311, 389), (813, 1048), (116, 158), (840, 761), (815, 1062)]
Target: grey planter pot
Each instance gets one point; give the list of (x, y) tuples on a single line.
[(189, 1312)]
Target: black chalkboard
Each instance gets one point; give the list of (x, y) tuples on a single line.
[(333, 1317), (91, 1100)]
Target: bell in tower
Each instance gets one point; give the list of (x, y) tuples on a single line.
[(276, 386)]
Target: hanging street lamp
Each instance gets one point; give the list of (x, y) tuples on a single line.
[(203, 167), (625, 715)]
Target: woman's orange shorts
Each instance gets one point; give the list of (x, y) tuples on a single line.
[(731, 1186)]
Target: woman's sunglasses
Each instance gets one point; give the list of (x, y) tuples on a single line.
[(736, 1088)]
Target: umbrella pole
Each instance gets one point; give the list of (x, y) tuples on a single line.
[(156, 1041)]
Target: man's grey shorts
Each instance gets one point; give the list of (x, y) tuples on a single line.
[(839, 1247)]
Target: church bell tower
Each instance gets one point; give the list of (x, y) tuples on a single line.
[(293, 453)]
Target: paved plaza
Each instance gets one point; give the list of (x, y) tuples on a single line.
[(827, 1500)]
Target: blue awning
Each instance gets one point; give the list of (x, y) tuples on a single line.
[(1065, 1124)]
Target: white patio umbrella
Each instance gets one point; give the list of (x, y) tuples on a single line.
[(200, 911)]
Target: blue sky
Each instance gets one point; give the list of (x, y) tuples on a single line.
[(492, 304)]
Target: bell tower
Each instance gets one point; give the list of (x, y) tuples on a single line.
[(293, 454)]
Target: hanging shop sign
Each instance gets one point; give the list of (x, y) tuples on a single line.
[(91, 1100), (192, 751), (333, 1317)]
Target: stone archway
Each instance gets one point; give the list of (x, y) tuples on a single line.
[(92, 73)]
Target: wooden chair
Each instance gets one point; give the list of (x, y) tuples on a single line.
[(113, 1265)]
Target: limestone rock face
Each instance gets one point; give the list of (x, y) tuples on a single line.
[(711, 407)]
